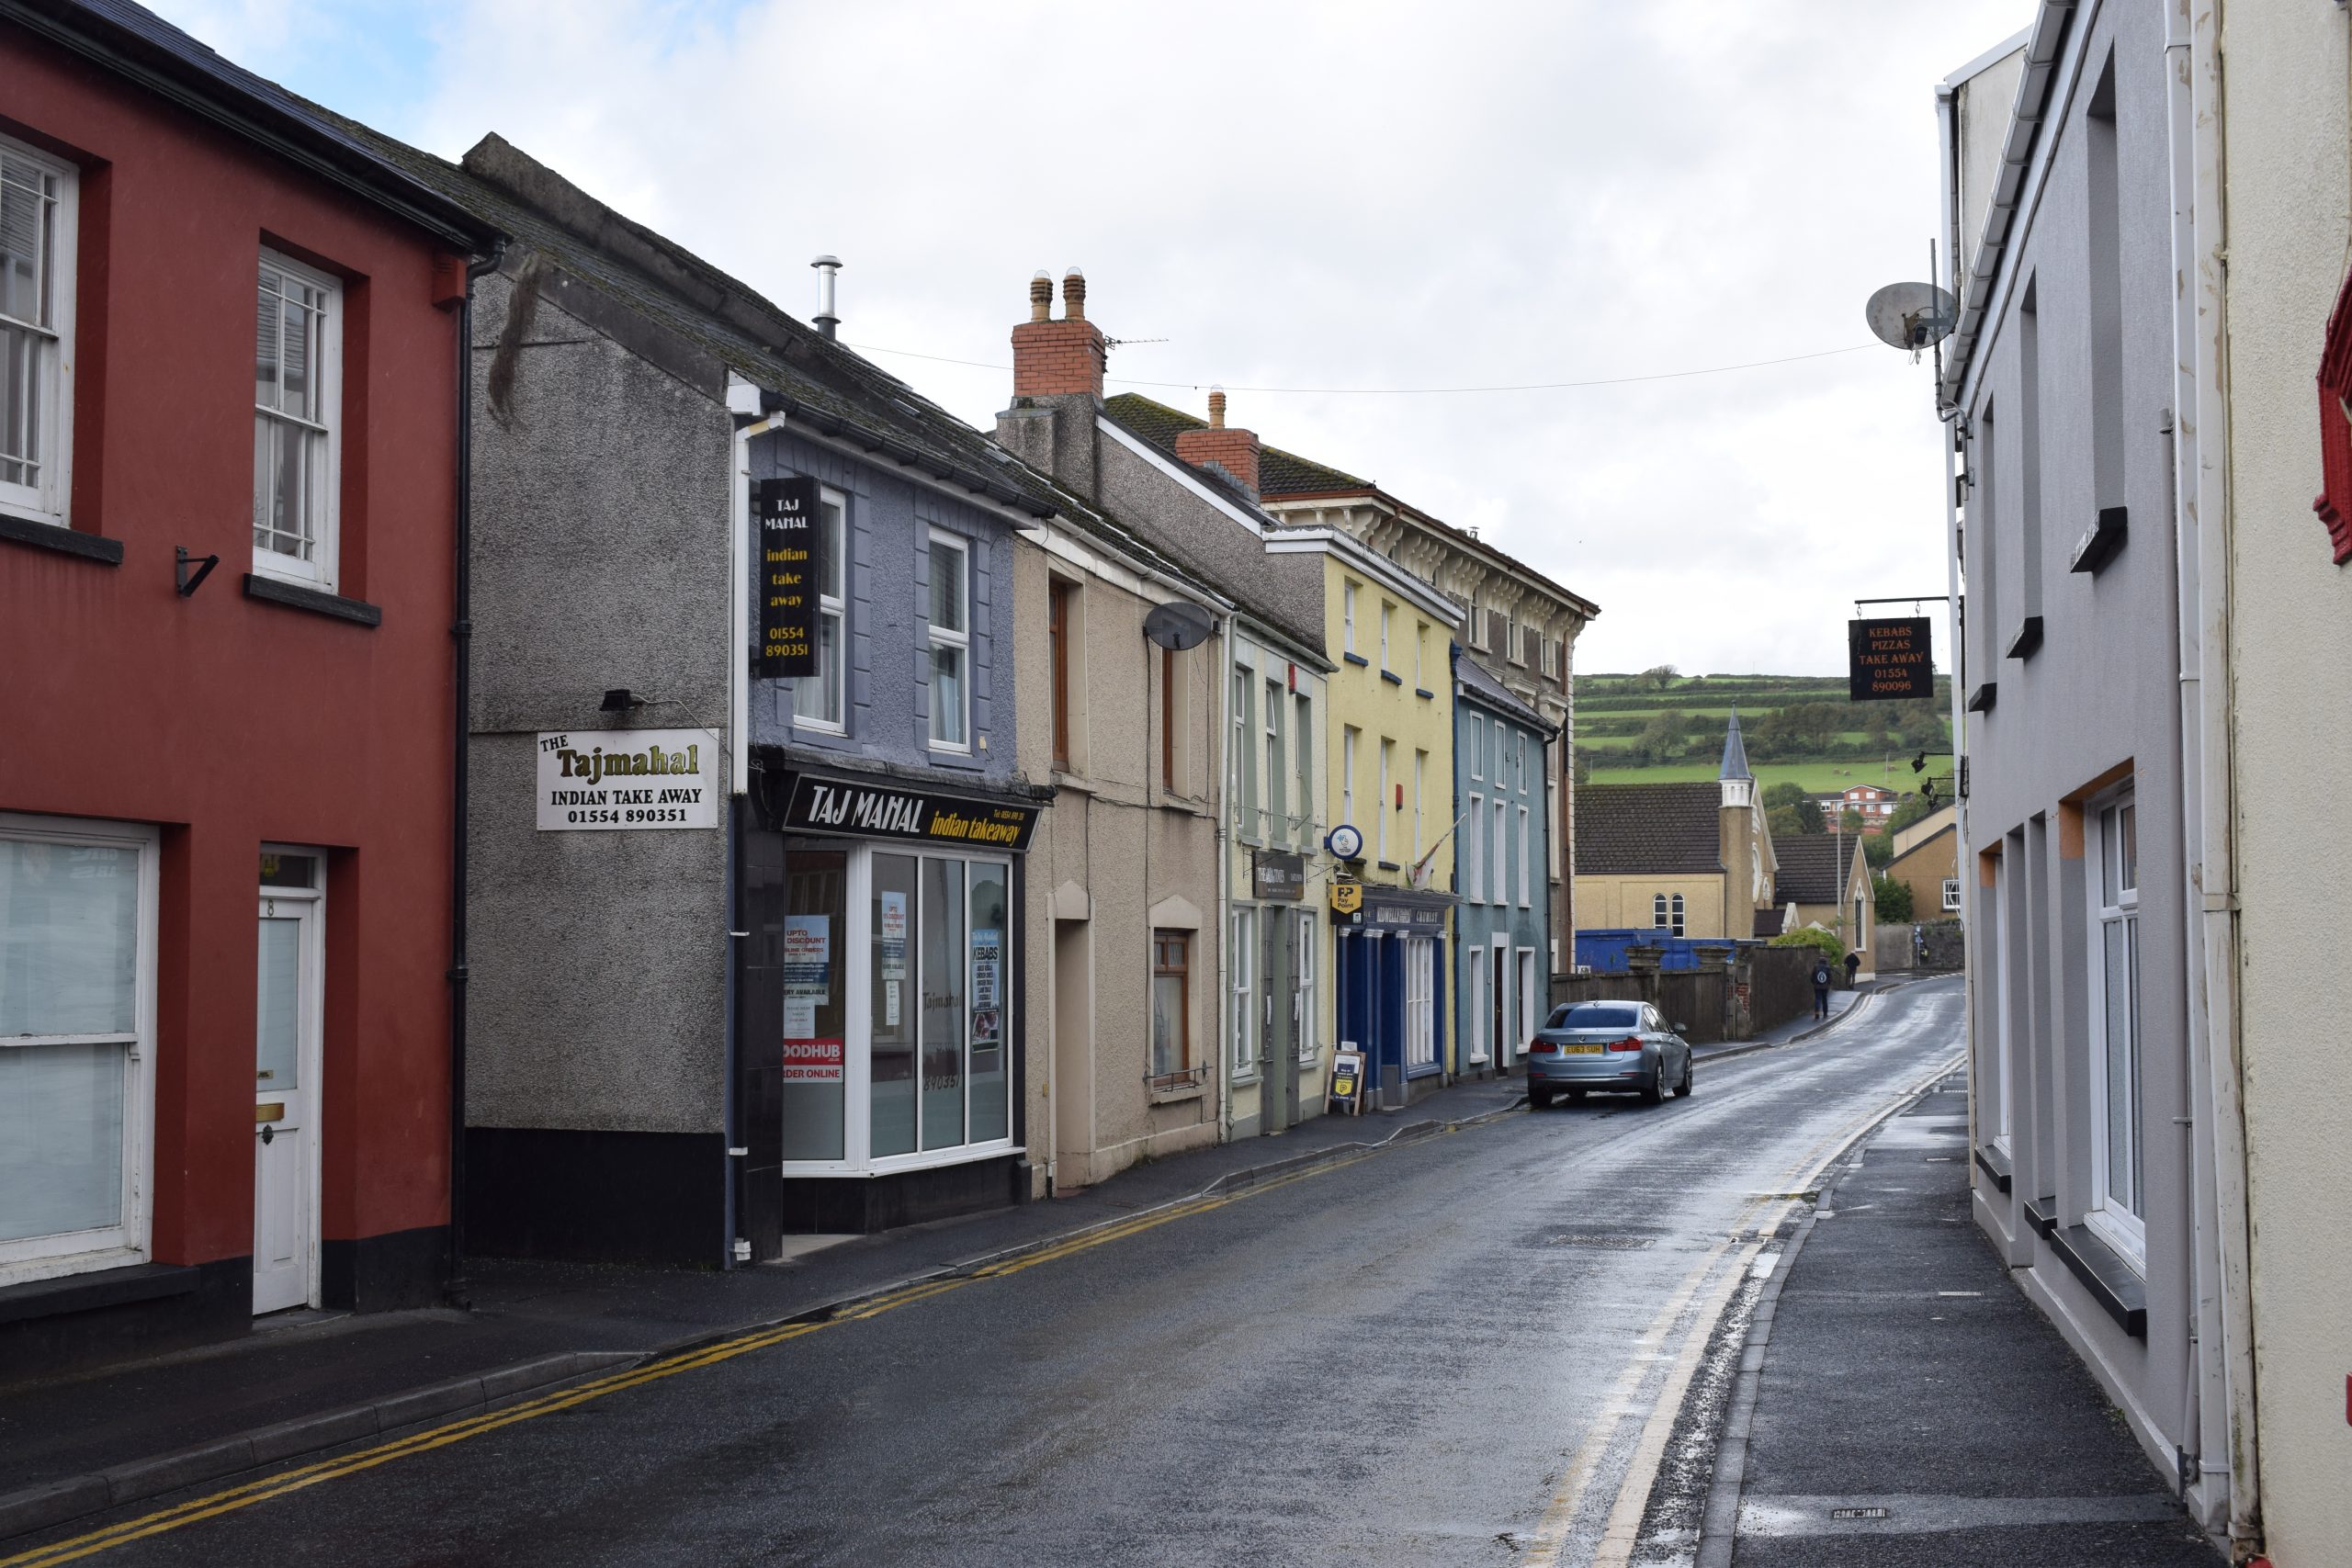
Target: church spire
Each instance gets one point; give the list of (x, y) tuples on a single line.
[(1734, 752)]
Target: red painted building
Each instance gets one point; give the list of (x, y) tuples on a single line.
[(227, 821)]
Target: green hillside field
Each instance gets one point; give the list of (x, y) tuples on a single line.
[(1815, 778)]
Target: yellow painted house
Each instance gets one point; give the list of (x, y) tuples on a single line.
[(1389, 798)]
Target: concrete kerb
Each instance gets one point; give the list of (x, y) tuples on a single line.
[(59, 1502), (1719, 1521)]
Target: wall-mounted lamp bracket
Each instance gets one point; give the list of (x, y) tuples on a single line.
[(190, 581)]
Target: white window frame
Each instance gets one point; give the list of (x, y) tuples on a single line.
[(1521, 763), (2109, 1215), (1474, 885), (935, 636), (1420, 786), (1477, 747), (1676, 905), (326, 369), (1245, 934), (1277, 789), (1513, 649), (1475, 960), (51, 501), (1302, 994), (1387, 622), (76, 1252), (1500, 849), (1951, 893), (1420, 656), (1526, 874), (1348, 734), (1347, 615), (833, 606), (1420, 1017), (1387, 770), (1658, 920)]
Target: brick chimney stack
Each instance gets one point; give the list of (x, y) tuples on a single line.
[(1051, 358), (1234, 451)]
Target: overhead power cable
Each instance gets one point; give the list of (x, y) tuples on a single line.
[(1406, 391)]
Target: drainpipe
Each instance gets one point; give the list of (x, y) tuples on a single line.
[(1221, 686), (461, 632), (2193, 84)]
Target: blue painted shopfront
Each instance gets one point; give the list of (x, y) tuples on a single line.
[(1392, 967)]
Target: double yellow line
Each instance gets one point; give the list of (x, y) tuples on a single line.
[(239, 1497)]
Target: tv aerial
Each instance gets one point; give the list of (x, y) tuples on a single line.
[(1911, 315), (1178, 625)]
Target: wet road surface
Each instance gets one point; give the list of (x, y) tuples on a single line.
[(1470, 1349)]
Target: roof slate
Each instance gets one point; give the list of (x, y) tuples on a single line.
[(1813, 868), (1285, 474), (1481, 687), (1643, 829), (123, 35)]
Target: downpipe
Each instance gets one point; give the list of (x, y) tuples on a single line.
[(2193, 84)]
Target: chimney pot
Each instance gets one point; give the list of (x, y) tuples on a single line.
[(1041, 296), (1074, 294), (1216, 408)]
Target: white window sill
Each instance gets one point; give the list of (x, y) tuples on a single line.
[(33, 1270)]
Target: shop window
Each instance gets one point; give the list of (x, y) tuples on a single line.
[(77, 938), (818, 700), (37, 273), (297, 415), (929, 1053), (1244, 958), (1420, 991), (1303, 1006), (1171, 1005)]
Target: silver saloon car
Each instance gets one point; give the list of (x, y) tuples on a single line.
[(1606, 1047)]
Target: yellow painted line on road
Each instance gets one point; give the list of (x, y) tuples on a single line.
[(235, 1498)]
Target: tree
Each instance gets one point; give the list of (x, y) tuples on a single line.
[(1910, 809), (1849, 822), (1580, 768), (1658, 677), (1878, 848), (1783, 820), (1825, 943), (1893, 900), (1809, 816), (1785, 792)]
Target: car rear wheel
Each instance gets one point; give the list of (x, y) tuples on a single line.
[(1682, 1090), (1539, 1098), (1654, 1091)]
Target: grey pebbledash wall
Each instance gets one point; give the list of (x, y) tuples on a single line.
[(885, 601), (600, 540)]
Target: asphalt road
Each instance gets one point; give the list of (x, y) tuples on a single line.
[(1466, 1351)]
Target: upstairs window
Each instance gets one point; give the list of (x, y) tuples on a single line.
[(950, 644), (36, 331), (817, 701), (1171, 1005), (1347, 617), (298, 330), (1058, 594)]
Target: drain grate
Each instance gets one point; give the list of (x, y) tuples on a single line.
[(1858, 1513), (1601, 1241)]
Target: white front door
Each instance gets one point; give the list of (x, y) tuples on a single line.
[(285, 1102)]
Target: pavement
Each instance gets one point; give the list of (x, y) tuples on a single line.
[(1902, 1404), (1463, 1345)]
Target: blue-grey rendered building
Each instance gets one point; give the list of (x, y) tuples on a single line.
[(1503, 921), (793, 1005)]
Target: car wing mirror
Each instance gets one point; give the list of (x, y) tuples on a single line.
[(1681, 1027)]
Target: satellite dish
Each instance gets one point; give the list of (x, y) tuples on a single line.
[(1911, 315), (1178, 625)]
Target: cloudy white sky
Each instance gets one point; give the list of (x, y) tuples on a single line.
[(1355, 195)]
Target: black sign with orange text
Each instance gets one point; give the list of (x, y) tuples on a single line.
[(791, 548), (1889, 659)]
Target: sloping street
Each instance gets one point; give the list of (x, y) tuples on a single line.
[(1468, 1349)]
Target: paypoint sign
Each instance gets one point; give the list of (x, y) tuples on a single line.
[(1889, 659)]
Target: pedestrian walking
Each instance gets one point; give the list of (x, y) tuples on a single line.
[(1853, 967), (1821, 988)]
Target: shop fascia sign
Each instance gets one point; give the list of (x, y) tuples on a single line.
[(822, 804), (627, 779)]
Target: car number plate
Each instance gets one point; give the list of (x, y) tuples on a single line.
[(1582, 1050)]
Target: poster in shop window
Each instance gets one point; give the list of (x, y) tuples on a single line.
[(807, 985), (893, 955), (988, 998)]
